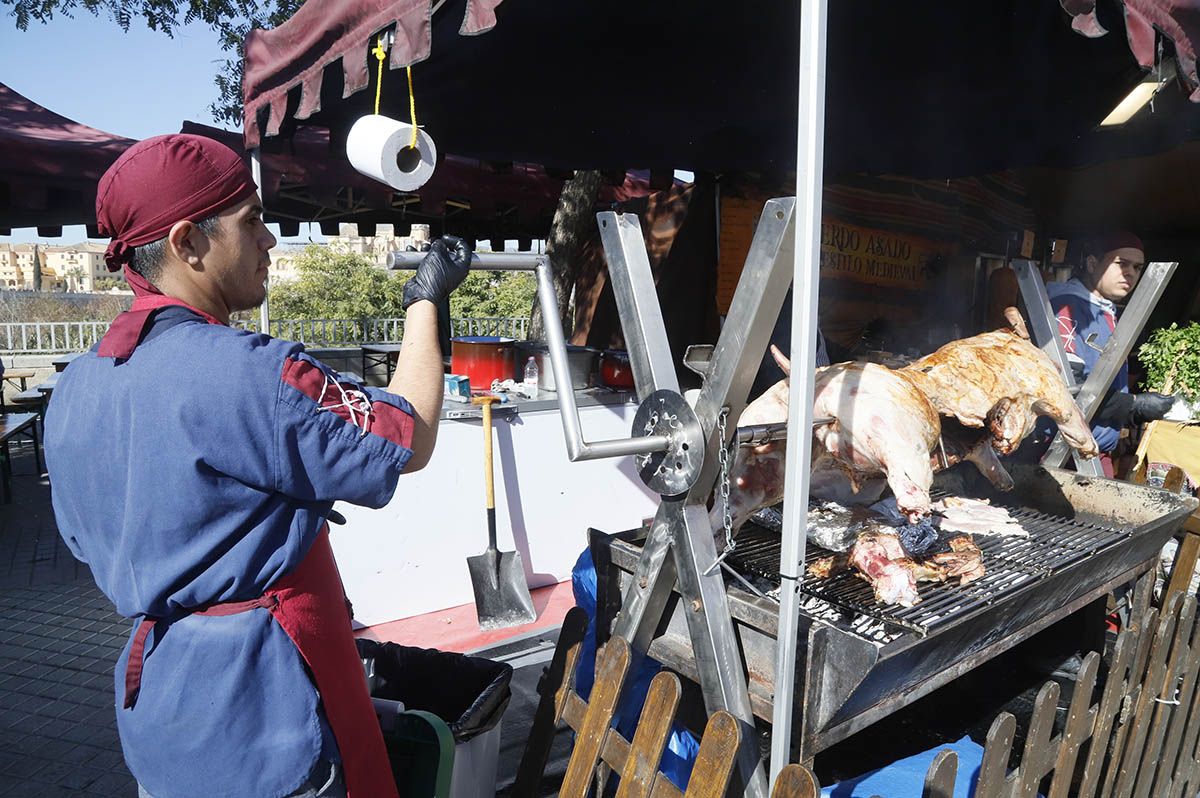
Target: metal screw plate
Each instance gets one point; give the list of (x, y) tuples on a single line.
[(671, 472)]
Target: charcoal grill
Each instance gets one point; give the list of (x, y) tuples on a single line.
[(860, 661)]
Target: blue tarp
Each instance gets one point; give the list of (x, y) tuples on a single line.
[(905, 778), (682, 746)]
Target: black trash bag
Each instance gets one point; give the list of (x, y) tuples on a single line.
[(469, 693)]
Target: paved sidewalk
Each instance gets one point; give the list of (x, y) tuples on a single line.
[(59, 639)]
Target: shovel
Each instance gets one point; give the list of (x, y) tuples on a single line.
[(497, 577)]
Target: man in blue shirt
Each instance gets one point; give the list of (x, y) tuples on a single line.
[(195, 466)]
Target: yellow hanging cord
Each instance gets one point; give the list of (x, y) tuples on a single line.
[(380, 53), (412, 108)]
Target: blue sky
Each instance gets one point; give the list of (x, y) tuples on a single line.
[(135, 84)]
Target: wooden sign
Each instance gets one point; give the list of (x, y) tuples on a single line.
[(877, 257), (739, 217)]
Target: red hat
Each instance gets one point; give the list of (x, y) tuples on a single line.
[(1121, 239), (164, 180)]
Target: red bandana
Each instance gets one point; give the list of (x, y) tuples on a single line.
[(153, 185)]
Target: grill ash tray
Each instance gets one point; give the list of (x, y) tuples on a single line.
[(1011, 562)]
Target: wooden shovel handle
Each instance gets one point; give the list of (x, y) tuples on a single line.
[(489, 485)]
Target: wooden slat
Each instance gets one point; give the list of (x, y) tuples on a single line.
[(574, 711), (1077, 728), (939, 780), (1134, 685), (1185, 726), (795, 781), (1036, 759), (612, 664), (1130, 757), (566, 683), (1168, 696), (993, 771), (714, 760), (654, 724), (553, 687), (1105, 715), (1144, 627), (1184, 565), (615, 751), (1173, 481)]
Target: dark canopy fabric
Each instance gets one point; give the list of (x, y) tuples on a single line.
[(49, 165), (921, 89), (307, 181)]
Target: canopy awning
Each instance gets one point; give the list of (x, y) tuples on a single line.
[(49, 165), (921, 89), (308, 181)]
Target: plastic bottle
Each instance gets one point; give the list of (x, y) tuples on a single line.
[(531, 378)]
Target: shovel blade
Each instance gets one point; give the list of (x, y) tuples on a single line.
[(501, 594)]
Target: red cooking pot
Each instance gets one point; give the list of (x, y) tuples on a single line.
[(616, 370), (482, 359)]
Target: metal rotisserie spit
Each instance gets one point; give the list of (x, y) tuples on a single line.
[(859, 661)]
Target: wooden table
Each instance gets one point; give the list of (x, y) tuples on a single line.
[(380, 355), (11, 376), (1177, 444), (13, 425), (60, 363)]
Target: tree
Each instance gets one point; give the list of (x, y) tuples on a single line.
[(338, 285), (574, 219), (231, 19)]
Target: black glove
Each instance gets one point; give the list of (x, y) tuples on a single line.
[(441, 271), (1077, 372), (1150, 406), (1115, 411)]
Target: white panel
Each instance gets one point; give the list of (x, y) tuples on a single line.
[(409, 558)]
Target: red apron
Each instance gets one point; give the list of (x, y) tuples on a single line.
[(310, 605)]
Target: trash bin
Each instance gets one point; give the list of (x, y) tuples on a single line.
[(468, 694)]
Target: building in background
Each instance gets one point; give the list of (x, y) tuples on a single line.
[(75, 268)]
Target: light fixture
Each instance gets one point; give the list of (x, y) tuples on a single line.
[(1142, 93)]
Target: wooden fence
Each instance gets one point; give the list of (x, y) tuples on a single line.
[(1138, 738)]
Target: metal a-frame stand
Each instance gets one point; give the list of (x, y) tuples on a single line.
[(675, 446), (680, 551)]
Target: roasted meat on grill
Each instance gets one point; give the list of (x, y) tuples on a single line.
[(1000, 382), (883, 427), (880, 559)]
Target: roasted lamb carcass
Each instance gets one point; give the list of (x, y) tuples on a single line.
[(883, 427), (1000, 382)]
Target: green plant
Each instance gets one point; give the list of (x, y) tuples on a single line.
[(335, 285), (1173, 354)]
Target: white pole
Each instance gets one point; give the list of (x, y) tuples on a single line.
[(264, 311), (810, 150)]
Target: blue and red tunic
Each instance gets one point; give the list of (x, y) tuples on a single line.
[(197, 471), (1086, 322)]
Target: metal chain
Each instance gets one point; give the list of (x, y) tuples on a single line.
[(723, 492), (723, 458)]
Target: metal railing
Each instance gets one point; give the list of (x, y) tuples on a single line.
[(57, 337)]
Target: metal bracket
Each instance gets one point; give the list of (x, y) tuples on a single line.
[(577, 447), (671, 472), (1045, 335), (681, 527)]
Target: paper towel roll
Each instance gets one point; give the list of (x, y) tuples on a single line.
[(378, 147)]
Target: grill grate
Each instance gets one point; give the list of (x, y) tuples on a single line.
[(1054, 543)]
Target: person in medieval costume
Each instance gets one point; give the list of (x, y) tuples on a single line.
[(195, 467)]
